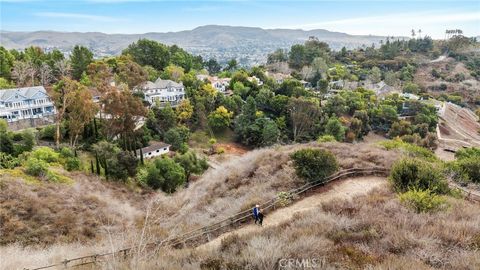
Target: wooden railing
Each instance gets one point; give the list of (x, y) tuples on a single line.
[(204, 234)]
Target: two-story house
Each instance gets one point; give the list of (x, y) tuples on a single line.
[(220, 84), (162, 92), (278, 77), (25, 103), (255, 80)]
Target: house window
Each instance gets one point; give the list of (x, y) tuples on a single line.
[(165, 149), (149, 153), (158, 150)]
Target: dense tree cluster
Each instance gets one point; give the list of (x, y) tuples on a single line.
[(259, 110), (159, 56)]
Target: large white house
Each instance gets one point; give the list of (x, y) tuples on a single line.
[(25, 103), (162, 92)]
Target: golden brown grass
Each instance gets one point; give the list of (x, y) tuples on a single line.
[(368, 232), (91, 212), (46, 213)]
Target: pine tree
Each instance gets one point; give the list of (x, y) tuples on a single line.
[(91, 167)]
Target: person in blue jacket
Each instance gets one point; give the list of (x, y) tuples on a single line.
[(255, 213)]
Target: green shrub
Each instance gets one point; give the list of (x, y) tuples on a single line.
[(284, 198), (72, 164), (470, 167), (36, 167), (47, 133), (66, 152), (414, 173), (142, 176), (166, 174), (326, 138), (177, 137), (25, 141), (8, 161), (467, 166), (467, 153), (57, 178), (411, 149), (46, 154), (314, 164), (423, 201)]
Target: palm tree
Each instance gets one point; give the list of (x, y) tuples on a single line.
[(419, 33), (413, 33)]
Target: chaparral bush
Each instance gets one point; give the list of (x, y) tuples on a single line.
[(422, 200), (314, 164), (414, 173)]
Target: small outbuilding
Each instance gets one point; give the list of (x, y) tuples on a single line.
[(155, 149)]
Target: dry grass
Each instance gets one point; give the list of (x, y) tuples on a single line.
[(252, 178), (90, 213), (42, 214), (373, 231)]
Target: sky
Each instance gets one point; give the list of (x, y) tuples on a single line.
[(386, 17)]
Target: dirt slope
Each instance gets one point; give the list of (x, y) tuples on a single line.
[(458, 127)]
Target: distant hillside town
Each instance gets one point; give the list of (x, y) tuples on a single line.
[(249, 45)]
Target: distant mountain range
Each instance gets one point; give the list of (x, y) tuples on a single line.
[(249, 45)]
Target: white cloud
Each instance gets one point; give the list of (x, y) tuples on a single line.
[(401, 18), (97, 18), (435, 22)]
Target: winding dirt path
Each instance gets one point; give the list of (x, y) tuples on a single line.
[(343, 189)]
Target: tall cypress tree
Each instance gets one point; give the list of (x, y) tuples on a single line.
[(98, 164), (141, 156), (95, 129), (134, 148), (91, 167)]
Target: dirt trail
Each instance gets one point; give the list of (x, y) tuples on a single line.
[(344, 189)]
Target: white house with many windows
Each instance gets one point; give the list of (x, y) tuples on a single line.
[(162, 92), (25, 103)]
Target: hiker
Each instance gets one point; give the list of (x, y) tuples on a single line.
[(260, 217), (255, 213)]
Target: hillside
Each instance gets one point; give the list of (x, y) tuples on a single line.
[(96, 216), (446, 75), (352, 223), (220, 42), (372, 231)]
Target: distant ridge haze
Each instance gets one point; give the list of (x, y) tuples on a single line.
[(250, 45)]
